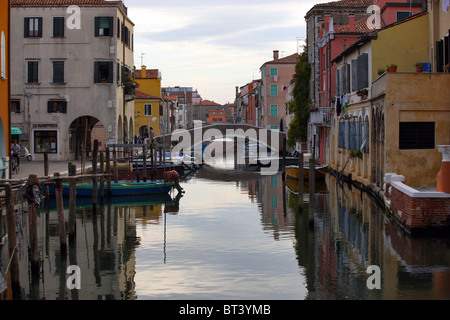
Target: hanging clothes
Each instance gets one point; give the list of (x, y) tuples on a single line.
[(344, 102), (445, 5)]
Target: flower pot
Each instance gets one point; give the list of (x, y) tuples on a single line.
[(419, 68), (393, 69)]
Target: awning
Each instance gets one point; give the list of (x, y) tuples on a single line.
[(15, 130)]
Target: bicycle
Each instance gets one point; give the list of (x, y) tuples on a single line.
[(15, 165)]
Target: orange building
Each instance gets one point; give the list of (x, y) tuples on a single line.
[(5, 121), (217, 116)]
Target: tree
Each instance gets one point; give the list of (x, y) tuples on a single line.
[(298, 129)]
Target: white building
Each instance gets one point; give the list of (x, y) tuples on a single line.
[(70, 68)]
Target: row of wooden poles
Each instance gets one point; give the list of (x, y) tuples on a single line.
[(33, 206), (301, 181)]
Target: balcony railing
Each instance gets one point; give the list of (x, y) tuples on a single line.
[(321, 117)]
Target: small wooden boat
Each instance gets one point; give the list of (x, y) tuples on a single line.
[(132, 169), (292, 172), (119, 189)]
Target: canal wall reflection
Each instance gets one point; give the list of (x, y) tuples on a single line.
[(350, 233)]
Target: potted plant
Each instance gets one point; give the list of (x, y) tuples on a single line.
[(380, 71), (356, 154), (393, 68), (362, 92), (419, 67)]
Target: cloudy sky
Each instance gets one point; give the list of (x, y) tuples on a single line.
[(214, 45)]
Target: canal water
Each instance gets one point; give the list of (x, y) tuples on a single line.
[(235, 235)]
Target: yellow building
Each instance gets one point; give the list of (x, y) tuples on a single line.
[(5, 114), (148, 101), (396, 126), (147, 114)]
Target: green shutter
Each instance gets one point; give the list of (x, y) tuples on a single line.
[(96, 79)]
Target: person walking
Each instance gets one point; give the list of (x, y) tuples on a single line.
[(173, 176)]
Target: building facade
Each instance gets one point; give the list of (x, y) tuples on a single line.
[(70, 76), (5, 126), (276, 76)]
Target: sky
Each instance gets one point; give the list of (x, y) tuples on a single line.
[(214, 46)]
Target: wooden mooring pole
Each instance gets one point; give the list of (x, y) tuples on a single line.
[(60, 212), (72, 201), (13, 252), (312, 180), (144, 163), (32, 221), (94, 171), (108, 170), (116, 172), (102, 178), (300, 182)]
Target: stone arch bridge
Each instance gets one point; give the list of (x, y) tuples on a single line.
[(272, 138)]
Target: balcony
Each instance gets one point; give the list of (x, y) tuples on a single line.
[(321, 117)]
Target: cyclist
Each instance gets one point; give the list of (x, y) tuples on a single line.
[(16, 152)]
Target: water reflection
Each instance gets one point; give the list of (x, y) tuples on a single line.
[(234, 235)]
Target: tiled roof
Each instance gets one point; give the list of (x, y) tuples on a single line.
[(143, 96), (32, 3), (360, 27), (151, 74), (209, 103), (292, 59), (345, 4)]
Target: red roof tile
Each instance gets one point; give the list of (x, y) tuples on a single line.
[(64, 3), (151, 74), (143, 96), (292, 59), (360, 27)]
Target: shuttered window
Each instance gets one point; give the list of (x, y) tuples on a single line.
[(58, 71), (32, 72), (58, 27), (104, 26), (57, 106), (417, 135), (103, 72), (33, 27), (274, 90)]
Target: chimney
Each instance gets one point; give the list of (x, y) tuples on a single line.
[(144, 72), (351, 22), (275, 54), (327, 21)]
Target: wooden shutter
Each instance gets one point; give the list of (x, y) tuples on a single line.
[(354, 75), (362, 77), (40, 27), (96, 75), (97, 25), (26, 27), (110, 72)]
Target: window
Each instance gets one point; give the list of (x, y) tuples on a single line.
[(103, 72), (417, 135), (33, 72), (45, 141), (15, 106), (3, 56), (33, 27), (273, 72), (274, 110), (273, 90), (118, 28), (403, 15), (274, 127), (147, 109), (57, 106), (58, 71), (58, 27), (104, 26)]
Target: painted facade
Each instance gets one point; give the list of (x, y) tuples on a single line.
[(276, 75), (377, 133), (5, 131), (71, 78), (147, 114)]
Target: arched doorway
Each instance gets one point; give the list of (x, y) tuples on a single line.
[(82, 132)]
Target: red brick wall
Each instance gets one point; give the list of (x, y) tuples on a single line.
[(420, 212)]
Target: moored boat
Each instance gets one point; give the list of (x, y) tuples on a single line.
[(119, 189), (319, 172)]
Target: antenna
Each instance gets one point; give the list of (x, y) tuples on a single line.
[(142, 58)]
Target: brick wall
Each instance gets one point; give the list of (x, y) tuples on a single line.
[(420, 212)]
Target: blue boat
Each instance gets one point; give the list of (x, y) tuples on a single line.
[(119, 189)]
